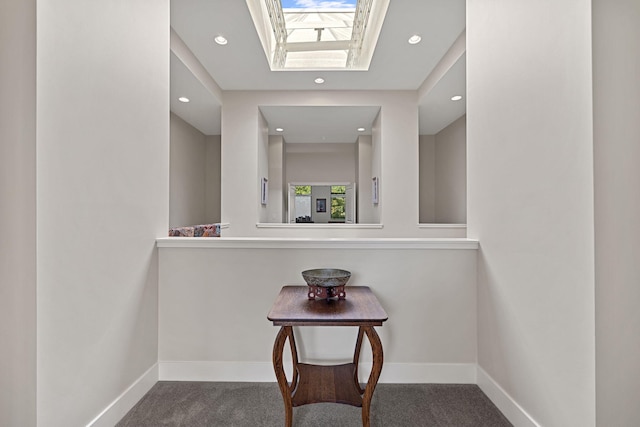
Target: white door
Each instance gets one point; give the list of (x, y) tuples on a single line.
[(350, 204), (292, 204)]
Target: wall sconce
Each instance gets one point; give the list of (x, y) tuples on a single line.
[(374, 190), (264, 191)]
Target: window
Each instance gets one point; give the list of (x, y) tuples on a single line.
[(311, 35), (303, 203), (338, 202)]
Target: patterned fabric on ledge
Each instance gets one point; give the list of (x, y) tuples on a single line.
[(202, 230)]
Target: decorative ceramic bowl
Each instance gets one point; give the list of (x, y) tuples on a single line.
[(326, 277), (326, 282)]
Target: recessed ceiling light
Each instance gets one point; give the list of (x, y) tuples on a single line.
[(221, 40), (414, 39), (361, 129), (319, 80), (183, 99), (456, 98), (279, 129)]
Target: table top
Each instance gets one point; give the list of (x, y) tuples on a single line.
[(292, 307)]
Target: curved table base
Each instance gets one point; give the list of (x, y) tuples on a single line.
[(316, 383)]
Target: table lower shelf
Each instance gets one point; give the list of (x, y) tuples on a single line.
[(319, 383)]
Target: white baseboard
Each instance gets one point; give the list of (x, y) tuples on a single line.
[(505, 403), (416, 373), (462, 373), (127, 400)]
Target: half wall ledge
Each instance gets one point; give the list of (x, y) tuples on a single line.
[(314, 243)]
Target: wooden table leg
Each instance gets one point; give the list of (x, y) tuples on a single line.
[(376, 350), (285, 388), (356, 358)]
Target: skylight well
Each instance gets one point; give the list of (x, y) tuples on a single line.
[(318, 34)]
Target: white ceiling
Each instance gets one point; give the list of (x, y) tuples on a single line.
[(242, 65), (437, 110), (320, 124), (203, 109)]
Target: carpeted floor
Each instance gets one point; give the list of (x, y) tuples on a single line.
[(260, 404)]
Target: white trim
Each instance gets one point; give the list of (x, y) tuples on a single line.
[(339, 226), (505, 403), (437, 225), (407, 373), (310, 243), (127, 400)]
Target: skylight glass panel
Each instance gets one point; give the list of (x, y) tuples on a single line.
[(318, 4), (319, 34), (318, 38)]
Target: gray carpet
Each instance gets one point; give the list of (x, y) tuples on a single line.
[(260, 404)]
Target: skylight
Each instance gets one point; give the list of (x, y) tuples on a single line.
[(318, 4), (318, 34)]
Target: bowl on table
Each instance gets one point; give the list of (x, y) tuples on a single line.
[(326, 283)]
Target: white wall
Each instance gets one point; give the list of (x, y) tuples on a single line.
[(214, 303), (530, 204), (451, 173), (188, 164), (320, 163), (427, 185), (263, 165), (376, 167), (102, 196), (364, 206), (239, 173), (443, 175), (194, 185), (278, 191), (212, 179), (616, 62), (18, 214), (321, 192), (397, 124)]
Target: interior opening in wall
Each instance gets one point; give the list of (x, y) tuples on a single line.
[(322, 203), (442, 148), (195, 149), (326, 150), (251, 84)]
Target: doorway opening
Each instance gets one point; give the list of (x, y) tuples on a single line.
[(322, 203)]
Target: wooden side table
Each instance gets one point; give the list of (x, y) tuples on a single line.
[(320, 383)]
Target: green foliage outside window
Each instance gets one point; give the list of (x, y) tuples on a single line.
[(337, 207), (303, 190), (338, 201)]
